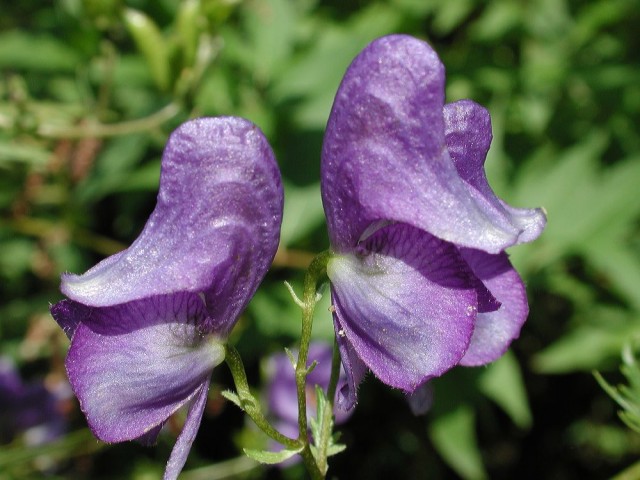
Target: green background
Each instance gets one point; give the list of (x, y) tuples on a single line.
[(90, 90)]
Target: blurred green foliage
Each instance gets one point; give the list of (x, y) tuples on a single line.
[(627, 396), (90, 90)]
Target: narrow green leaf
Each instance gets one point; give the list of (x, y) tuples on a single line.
[(291, 358), (626, 396), (16, 257), (589, 345), (232, 397), (115, 167), (565, 201), (453, 434), (307, 78), (451, 14), (497, 20), (145, 179), (189, 17), (151, 44), (502, 382), (619, 266), (270, 458), (269, 36), (316, 421), (335, 448)]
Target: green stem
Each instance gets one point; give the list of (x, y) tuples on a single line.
[(99, 130), (249, 403), (315, 274), (327, 425), (48, 230)]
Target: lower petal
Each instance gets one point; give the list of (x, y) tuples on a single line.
[(181, 449), (406, 302), (494, 331), (133, 365)]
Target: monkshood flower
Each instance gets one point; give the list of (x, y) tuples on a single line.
[(149, 324), (419, 278), (282, 390), (29, 409)]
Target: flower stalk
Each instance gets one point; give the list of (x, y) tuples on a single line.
[(313, 278), (249, 403), (316, 464), (327, 424)]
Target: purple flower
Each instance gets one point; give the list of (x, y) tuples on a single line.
[(282, 390), (148, 325), (29, 408), (282, 394), (420, 281)]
